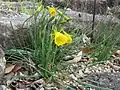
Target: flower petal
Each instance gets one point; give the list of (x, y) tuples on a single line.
[(69, 40), (60, 39)]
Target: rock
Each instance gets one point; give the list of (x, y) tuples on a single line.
[(2, 63), (83, 20), (9, 22), (88, 6), (60, 3), (81, 5), (85, 5), (112, 3), (116, 11), (11, 19), (109, 80), (85, 17)]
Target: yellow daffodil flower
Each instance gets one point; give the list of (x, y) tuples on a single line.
[(60, 39), (52, 11), (69, 40)]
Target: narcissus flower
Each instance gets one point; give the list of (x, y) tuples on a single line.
[(62, 38), (52, 11), (69, 40)]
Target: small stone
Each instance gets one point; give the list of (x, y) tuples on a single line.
[(81, 74), (66, 58), (71, 69), (97, 71), (99, 68), (50, 85), (73, 76), (107, 70), (82, 66), (41, 88), (87, 71), (96, 78), (51, 88), (80, 87), (3, 87), (117, 53), (75, 66)]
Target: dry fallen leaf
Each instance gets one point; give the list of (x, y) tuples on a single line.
[(9, 69), (16, 68), (75, 60), (87, 50), (80, 54), (13, 68), (78, 58)]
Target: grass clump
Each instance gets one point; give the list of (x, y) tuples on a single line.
[(46, 41), (105, 40)]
